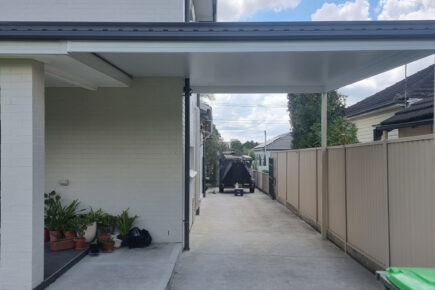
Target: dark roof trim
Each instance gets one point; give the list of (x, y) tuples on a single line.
[(222, 31), (383, 107), (404, 125)]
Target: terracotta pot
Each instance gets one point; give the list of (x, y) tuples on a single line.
[(69, 235), (108, 247), (54, 236), (103, 237), (60, 245), (80, 244), (46, 236), (90, 232)]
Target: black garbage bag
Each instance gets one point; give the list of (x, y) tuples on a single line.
[(138, 238)]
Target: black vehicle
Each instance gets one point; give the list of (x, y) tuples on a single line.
[(234, 169)]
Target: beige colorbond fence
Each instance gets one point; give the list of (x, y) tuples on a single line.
[(380, 198), (261, 181)]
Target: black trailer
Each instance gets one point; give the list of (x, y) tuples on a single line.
[(234, 169)]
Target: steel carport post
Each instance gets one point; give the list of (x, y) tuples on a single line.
[(187, 93), (324, 150)]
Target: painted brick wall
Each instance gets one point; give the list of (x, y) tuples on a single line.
[(120, 148), (22, 174), (92, 10)]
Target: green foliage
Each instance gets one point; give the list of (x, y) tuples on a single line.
[(104, 221), (254, 165), (236, 146), (305, 117), (124, 222), (213, 146), (58, 217), (68, 214), (53, 208), (80, 223)]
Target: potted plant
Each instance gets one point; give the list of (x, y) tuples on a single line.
[(67, 218), (108, 245), (80, 224), (94, 248), (52, 217), (105, 223), (124, 222), (91, 228)]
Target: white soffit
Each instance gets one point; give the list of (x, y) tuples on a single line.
[(219, 67)]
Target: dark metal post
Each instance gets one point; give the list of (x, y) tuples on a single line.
[(186, 10), (187, 93)]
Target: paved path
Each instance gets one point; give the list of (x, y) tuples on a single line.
[(252, 242)]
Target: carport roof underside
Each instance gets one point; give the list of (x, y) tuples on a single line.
[(218, 57)]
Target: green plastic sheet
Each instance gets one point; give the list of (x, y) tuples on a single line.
[(412, 278)]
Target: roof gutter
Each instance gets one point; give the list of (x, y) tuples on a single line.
[(404, 125)]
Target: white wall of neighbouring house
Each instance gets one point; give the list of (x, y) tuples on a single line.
[(120, 148), (365, 125), (263, 166), (93, 10)]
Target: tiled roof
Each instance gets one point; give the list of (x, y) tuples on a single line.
[(419, 85), (314, 30), (280, 142), (421, 112)]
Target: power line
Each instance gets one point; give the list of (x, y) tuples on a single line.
[(252, 121), (247, 106)]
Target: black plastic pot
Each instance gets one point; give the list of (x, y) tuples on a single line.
[(94, 249)]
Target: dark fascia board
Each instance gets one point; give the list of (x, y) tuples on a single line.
[(405, 125), (373, 109), (220, 31)]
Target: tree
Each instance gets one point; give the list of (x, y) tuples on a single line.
[(213, 146), (305, 111), (236, 146), (249, 145)]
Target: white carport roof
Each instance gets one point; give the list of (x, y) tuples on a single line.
[(219, 57)]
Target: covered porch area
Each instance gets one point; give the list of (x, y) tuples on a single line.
[(105, 107)]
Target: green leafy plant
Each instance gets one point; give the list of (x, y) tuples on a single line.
[(68, 214), (104, 221), (124, 222), (53, 211), (80, 223)]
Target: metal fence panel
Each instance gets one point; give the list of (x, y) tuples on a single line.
[(293, 178), (411, 196), (337, 192), (281, 177), (307, 183), (366, 178)]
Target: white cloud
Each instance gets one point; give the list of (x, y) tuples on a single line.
[(393, 10), (350, 10), (406, 9), (234, 10)]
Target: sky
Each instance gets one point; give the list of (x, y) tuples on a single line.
[(245, 117)]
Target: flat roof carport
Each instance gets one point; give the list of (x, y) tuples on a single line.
[(284, 57)]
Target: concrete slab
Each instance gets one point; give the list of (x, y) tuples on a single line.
[(149, 268), (253, 242)]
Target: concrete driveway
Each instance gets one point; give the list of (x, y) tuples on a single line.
[(252, 242)]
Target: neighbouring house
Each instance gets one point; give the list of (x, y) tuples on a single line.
[(416, 119), (370, 112), (100, 95), (279, 143)]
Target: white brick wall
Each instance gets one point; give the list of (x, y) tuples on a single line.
[(92, 10), (22, 174), (120, 148)]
